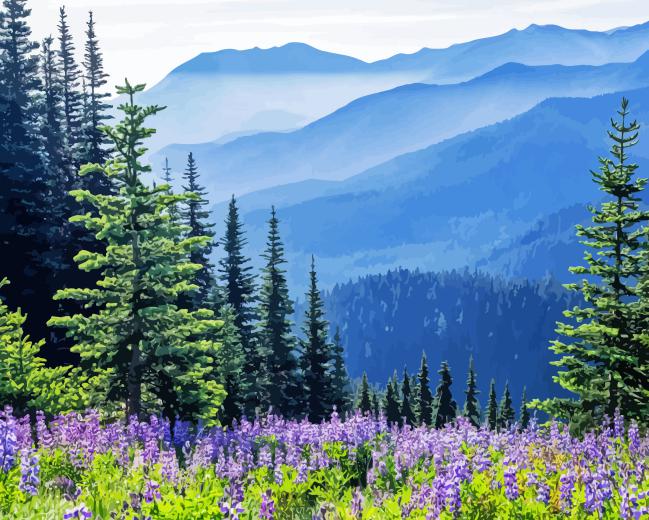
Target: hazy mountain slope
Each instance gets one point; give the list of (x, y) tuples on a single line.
[(376, 128)]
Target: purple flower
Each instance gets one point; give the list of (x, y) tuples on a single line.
[(267, 509), (80, 511), (29, 470), (8, 439), (151, 491), (357, 504), (511, 484)]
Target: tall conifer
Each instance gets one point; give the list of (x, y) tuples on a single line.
[(492, 407), (425, 396), (406, 412), (445, 406), (471, 405)]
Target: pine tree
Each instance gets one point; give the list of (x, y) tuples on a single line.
[(229, 367), (94, 146), (406, 413), (136, 341), (425, 396), (340, 378), (391, 406), (506, 415), (492, 407), (276, 342), (365, 399), (376, 404), (445, 406), (471, 405), (195, 217), (239, 286), (72, 102), (316, 355), (524, 413), (602, 361)]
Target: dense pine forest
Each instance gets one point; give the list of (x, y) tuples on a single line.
[(122, 299)]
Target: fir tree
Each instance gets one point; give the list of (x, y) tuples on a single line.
[(316, 355), (365, 398), (524, 414), (492, 407), (229, 367), (239, 286), (471, 406), (425, 396), (195, 217), (340, 379), (376, 403), (136, 341), (506, 415), (406, 413), (391, 406), (276, 341), (445, 406), (602, 361), (94, 143)]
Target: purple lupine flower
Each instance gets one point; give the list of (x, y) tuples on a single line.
[(8, 439), (151, 491), (77, 512), (29, 470), (267, 508), (357, 504), (566, 487), (511, 483)]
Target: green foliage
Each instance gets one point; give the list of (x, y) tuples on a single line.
[(230, 364), (604, 361), (471, 405), (506, 413), (340, 384), (365, 399), (425, 396), (391, 406), (135, 339), (492, 407), (445, 406), (406, 413)]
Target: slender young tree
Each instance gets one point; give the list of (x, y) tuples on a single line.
[(425, 396), (391, 406), (445, 406), (492, 407), (276, 341), (365, 398), (196, 218), (506, 415), (238, 283), (524, 413), (316, 355), (471, 405), (602, 356), (406, 413), (136, 341), (376, 403), (340, 380), (229, 367)]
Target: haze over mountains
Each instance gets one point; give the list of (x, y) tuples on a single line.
[(281, 88)]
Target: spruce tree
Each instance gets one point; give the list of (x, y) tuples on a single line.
[(135, 339), (391, 406), (94, 147), (364, 398), (492, 407), (471, 405), (316, 355), (195, 217), (445, 406), (524, 414), (376, 403), (601, 360), (406, 413), (340, 379), (425, 396), (229, 367), (506, 415), (238, 282), (71, 93), (276, 341)]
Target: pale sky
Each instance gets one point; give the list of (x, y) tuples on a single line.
[(145, 39)]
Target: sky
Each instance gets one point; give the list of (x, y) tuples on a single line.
[(145, 39)]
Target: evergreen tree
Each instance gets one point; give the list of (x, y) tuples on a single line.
[(365, 398), (229, 366), (406, 413), (136, 340), (445, 406), (391, 406), (602, 361), (72, 102), (277, 344), (376, 404), (492, 407), (524, 413), (506, 416), (195, 217), (340, 380), (471, 405), (316, 355), (239, 286), (425, 396), (94, 143)]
